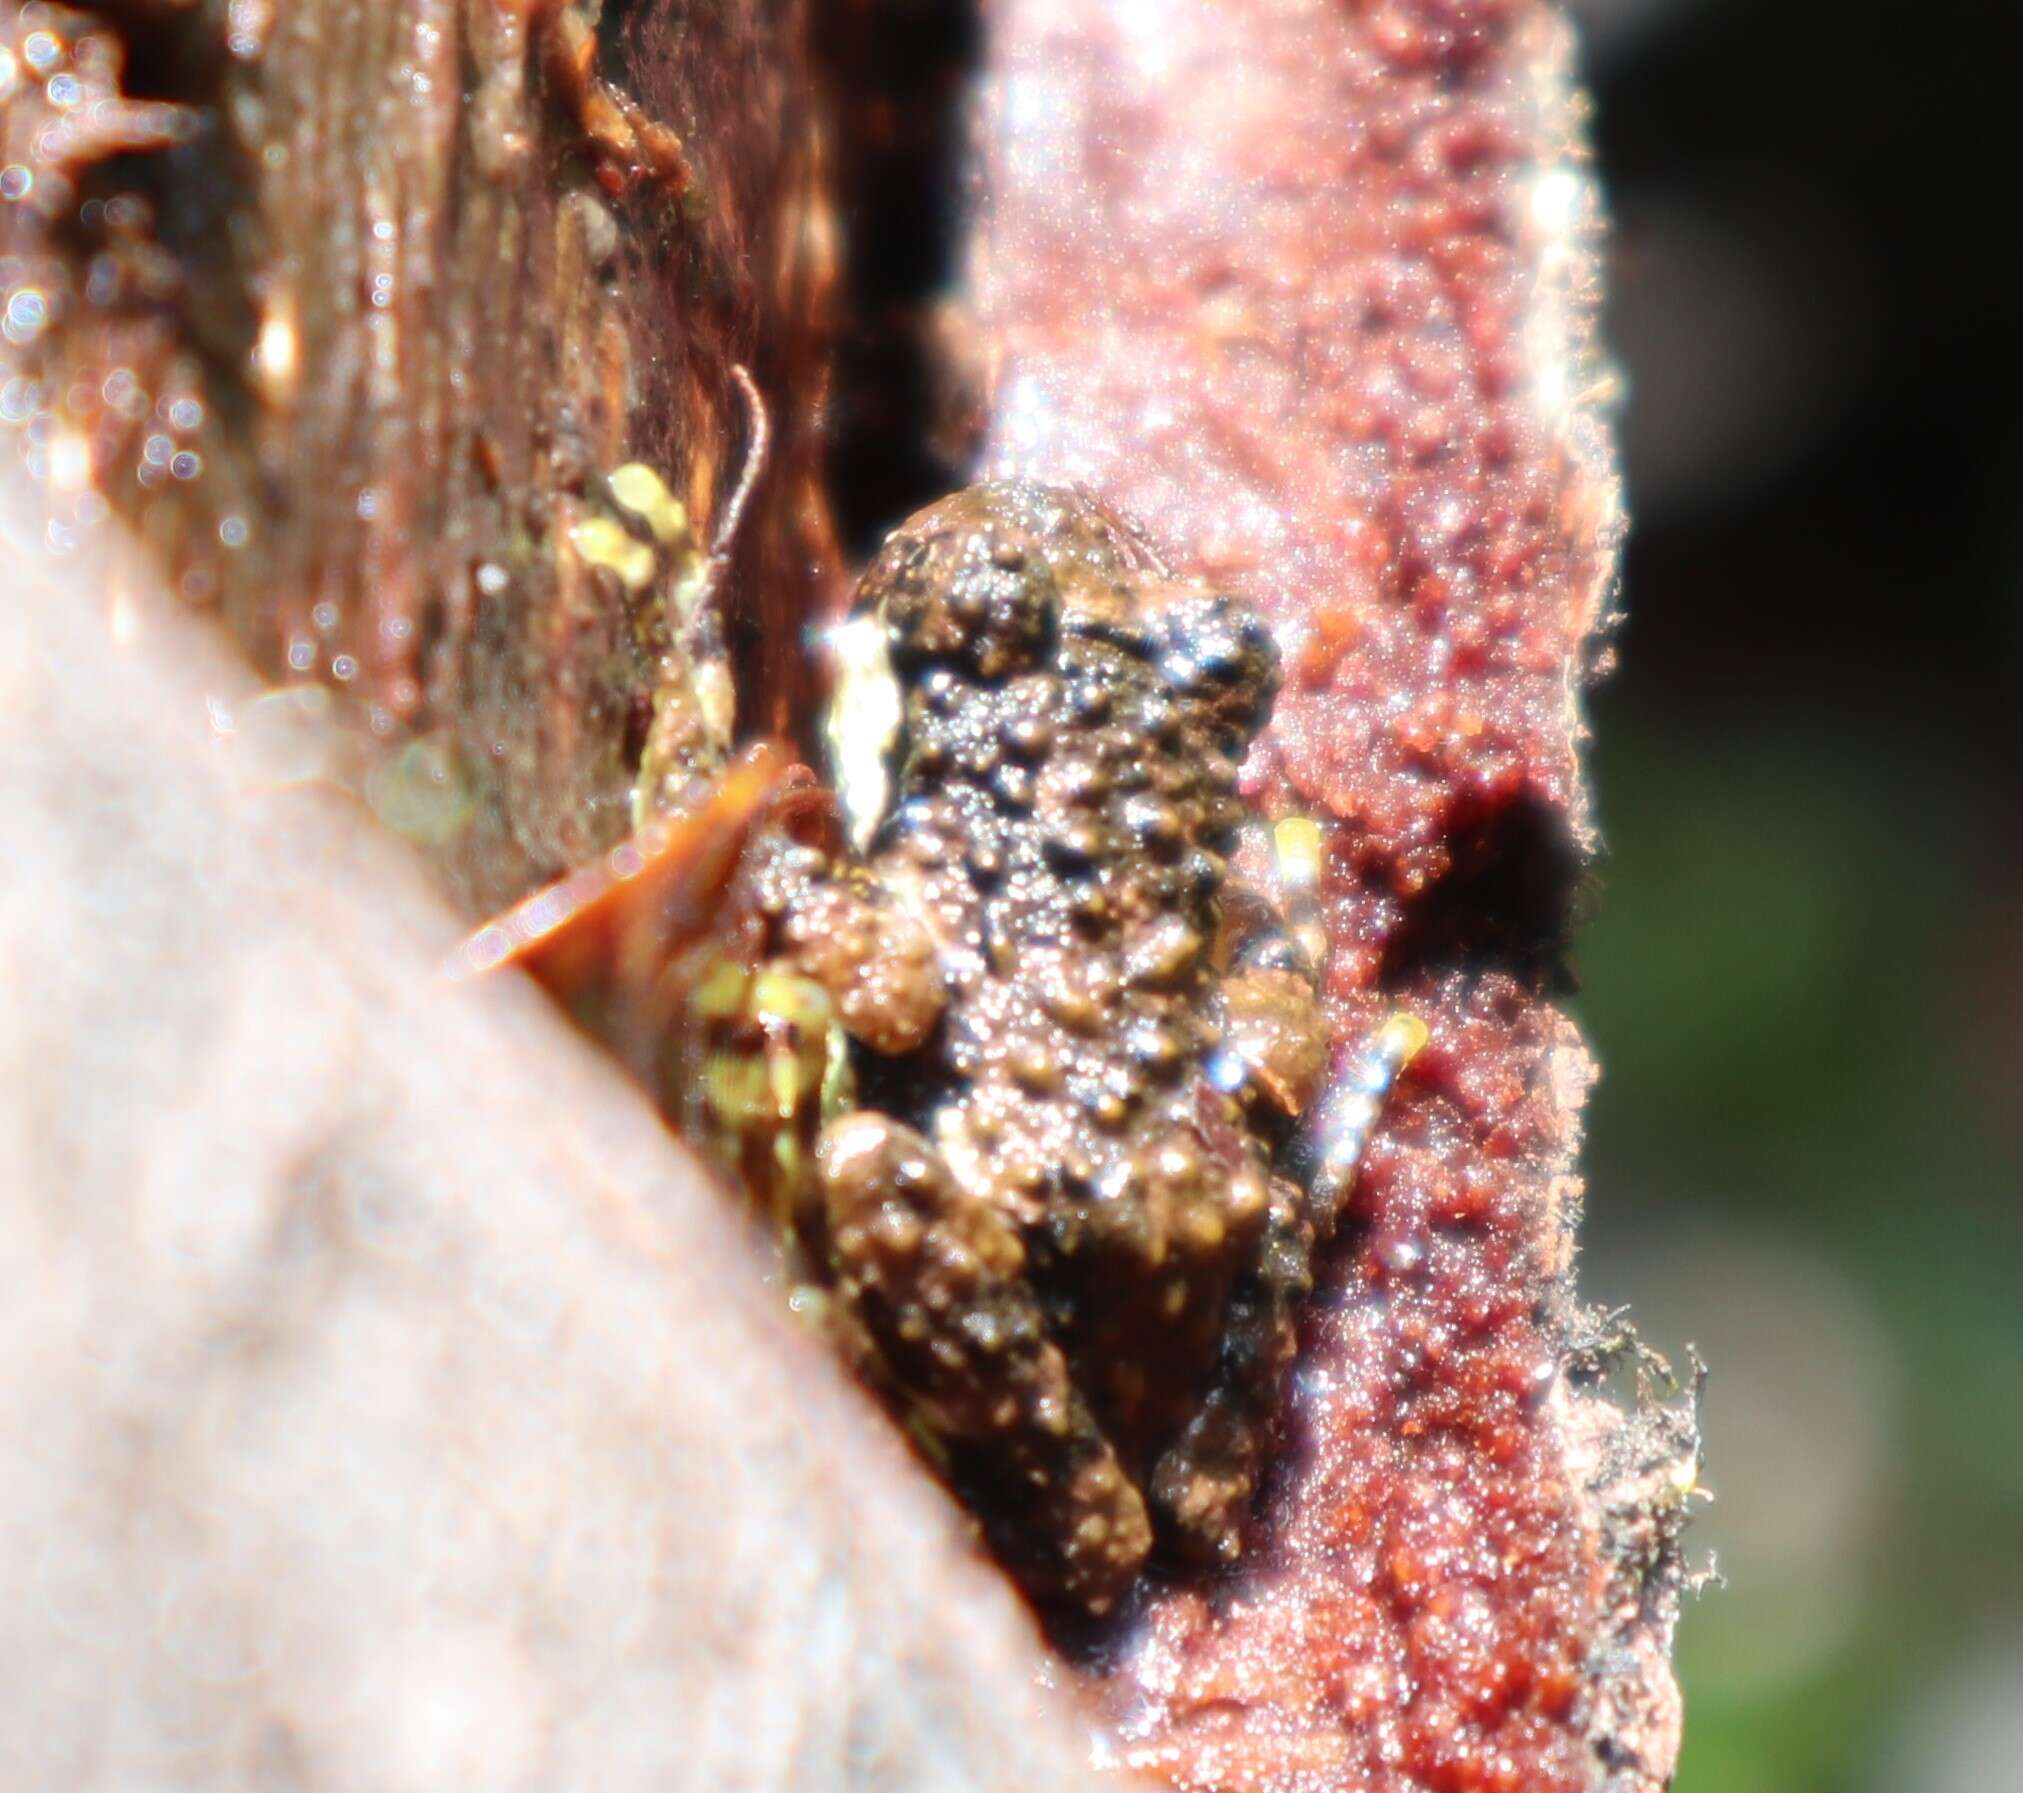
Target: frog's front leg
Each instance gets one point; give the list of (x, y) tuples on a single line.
[(936, 1282)]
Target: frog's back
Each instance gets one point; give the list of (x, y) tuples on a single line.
[(1074, 721)]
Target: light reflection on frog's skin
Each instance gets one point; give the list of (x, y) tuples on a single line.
[(1053, 1234)]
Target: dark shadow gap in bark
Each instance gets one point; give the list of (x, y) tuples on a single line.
[(898, 75), (173, 53), (1514, 892), (196, 192)]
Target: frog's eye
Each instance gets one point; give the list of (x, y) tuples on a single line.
[(1217, 650), (980, 597), (1256, 637), (1237, 647), (1003, 609)]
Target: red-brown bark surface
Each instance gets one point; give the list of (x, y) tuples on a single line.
[(1309, 290)]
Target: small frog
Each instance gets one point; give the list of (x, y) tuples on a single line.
[(1020, 1066), (1053, 1230)]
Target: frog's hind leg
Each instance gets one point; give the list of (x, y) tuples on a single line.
[(937, 1284), (1203, 1484)]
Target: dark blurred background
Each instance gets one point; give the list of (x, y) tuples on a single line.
[(1804, 975)]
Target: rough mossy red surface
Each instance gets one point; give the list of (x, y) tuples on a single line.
[(1308, 289)]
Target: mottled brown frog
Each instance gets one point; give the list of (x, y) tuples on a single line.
[(1053, 1227), (1021, 1067)]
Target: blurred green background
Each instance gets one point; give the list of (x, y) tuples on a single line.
[(1804, 972)]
